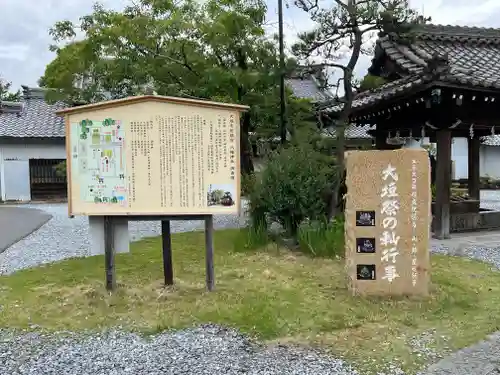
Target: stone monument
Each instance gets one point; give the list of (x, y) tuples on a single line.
[(388, 219)]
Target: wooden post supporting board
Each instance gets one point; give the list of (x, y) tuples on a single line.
[(209, 251), (109, 253), (166, 241)]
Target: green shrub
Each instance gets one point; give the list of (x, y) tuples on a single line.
[(247, 183), (251, 239), (433, 192), (291, 188), (60, 169), (322, 238)]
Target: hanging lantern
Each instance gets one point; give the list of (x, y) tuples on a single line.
[(422, 136), (436, 96)]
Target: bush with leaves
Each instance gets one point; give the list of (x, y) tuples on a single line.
[(60, 169), (291, 188)]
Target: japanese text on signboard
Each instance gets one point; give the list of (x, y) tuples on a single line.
[(414, 219), (389, 210)]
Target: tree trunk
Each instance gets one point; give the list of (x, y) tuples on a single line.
[(246, 160), (335, 207)]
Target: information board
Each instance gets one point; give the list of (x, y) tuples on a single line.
[(153, 155), (388, 218)]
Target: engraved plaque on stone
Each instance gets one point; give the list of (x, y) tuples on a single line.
[(365, 272), (365, 245), (365, 218)]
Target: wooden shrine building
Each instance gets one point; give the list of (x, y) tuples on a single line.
[(445, 83)]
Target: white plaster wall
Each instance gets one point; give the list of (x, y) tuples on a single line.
[(26, 152), (22, 153), (459, 154), (490, 161), (489, 158)]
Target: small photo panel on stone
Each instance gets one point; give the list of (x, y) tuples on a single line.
[(365, 218), (365, 272), (365, 245)]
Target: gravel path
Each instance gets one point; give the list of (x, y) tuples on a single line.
[(62, 237), (490, 199), (208, 350)]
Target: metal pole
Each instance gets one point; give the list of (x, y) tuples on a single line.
[(282, 74)]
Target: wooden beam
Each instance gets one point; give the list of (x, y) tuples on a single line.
[(474, 145), (443, 184)]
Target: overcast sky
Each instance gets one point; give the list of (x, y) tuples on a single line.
[(24, 38)]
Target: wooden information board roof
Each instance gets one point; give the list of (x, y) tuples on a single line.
[(149, 98)]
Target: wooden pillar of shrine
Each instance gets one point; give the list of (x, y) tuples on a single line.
[(380, 143), (473, 156), (443, 184)]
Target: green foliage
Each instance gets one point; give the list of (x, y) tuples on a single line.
[(247, 183), (216, 196), (251, 239), (322, 238), (340, 27), (61, 169), (370, 82), (291, 188), (213, 50), (6, 94)]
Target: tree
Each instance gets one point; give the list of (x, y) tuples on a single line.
[(215, 50), (5, 93), (345, 26), (370, 82)]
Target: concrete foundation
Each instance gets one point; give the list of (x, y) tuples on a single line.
[(120, 235)]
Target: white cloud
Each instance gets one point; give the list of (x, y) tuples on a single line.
[(24, 27), (17, 52)]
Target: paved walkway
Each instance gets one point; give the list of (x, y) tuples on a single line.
[(480, 359), (18, 222), (458, 242)]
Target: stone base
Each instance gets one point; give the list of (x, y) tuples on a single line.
[(463, 207), (469, 222), (120, 235)]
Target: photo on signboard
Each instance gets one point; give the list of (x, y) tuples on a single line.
[(365, 218), (365, 271), (365, 245), (221, 195)]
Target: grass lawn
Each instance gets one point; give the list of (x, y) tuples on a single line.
[(272, 295)]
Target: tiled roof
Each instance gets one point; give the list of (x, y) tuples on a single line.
[(352, 131), (305, 83), (386, 91), (35, 119), (307, 88), (468, 56)]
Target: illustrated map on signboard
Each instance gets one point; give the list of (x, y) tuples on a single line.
[(99, 160)]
